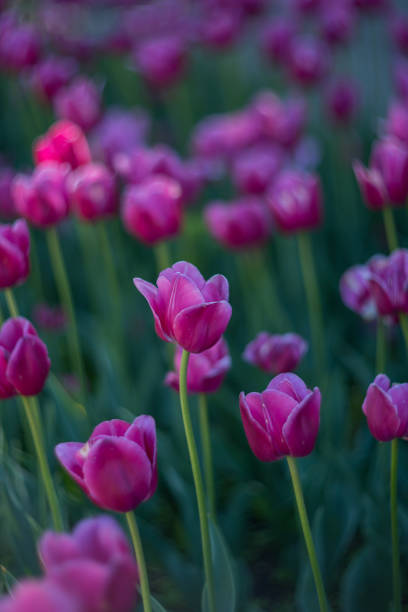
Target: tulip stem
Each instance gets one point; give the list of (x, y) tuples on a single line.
[(137, 545), (304, 521), (207, 456), (396, 578), (162, 254), (198, 480), (403, 319), (34, 421), (11, 303), (390, 229), (64, 290), (313, 299), (380, 350)]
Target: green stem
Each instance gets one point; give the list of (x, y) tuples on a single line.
[(313, 299), (11, 303), (207, 456), (137, 545), (381, 346), (64, 290), (34, 421), (162, 254), (396, 578), (265, 278), (198, 480), (390, 229), (403, 319), (304, 521)]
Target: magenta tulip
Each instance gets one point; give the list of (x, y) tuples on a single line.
[(276, 353), (14, 254), (342, 101), (277, 39), (389, 282), (206, 371), (39, 596), (396, 124), (355, 288), (308, 61), (221, 27), (24, 361), (42, 197), (386, 409), (152, 211), (337, 22), (281, 121), (92, 192), (51, 74), (254, 169), (399, 31), (117, 467), (79, 102), (64, 142), (19, 46), (186, 308), (161, 60), (223, 136), (7, 205), (283, 420)]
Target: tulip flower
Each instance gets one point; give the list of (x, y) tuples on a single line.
[(63, 143), (39, 596), (255, 169), (152, 211), (42, 197), (94, 565), (117, 466), (242, 224), (186, 308), (396, 124), (342, 101), (92, 192), (276, 353), (79, 102), (221, 27), (51, 74), (388, 284), (281, 121), (24, 361), (399, 31), (14, 254), (7, 206), (386, 409), (161, 60), (308, 61), (206, 370), (337, 22), (223, 136), (277, 39), (50, 318), (355, 289), (295, 201), (19, 46)]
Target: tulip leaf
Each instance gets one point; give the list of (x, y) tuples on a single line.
[(224, 584)]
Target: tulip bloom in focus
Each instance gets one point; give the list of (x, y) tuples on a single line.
[(386, 409), (64, 142), (283, 420), (206, 371), (275, 353), (186, 308), (92, 192), (14, 254), (117, 467)]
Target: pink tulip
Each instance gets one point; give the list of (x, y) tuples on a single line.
[(63, 143), (14, 254), (186, 308), (337, 22), (277, 39), (308, 61), (281, 121), (42, 197), (283, 420), (396, 124), (389, 282), (342, 101), (275, 353), (92, 192), (39, 596), (79, 102), (117, 467), (355, 289), (161, 60), (24, 361), (52, 73), (221, 28), (386, 409), (223, 136), (254, 169), (206, 371), (19, 46)]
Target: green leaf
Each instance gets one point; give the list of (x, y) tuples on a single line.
[(224, 585)]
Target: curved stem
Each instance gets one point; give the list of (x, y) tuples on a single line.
[(396, 578), (34, 421), (207, 456), (11, 303), (137, 545), (162, 254), (304, 521), (381, 346), (390, 229), (198, 480), (64, 290)]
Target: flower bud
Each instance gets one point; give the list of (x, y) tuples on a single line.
[(92, 192), (275, 353), (386, 409), (283, 122), (63, 143)]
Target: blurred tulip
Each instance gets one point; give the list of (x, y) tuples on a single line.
[(223, 136), (161, 60), (283, 420), (221, 27), (355, 289), (275, 353), (49, 318), (152, 211), (386, 409), (79, 102), (296, 201), (117, 467), (308, 61), (399, 31), (389, 283), (19, 46), (7, 206), (64, 142), (52, 73), (281, 121), (186, 308), (92, 192), (14, 254), (39, 596), (242, 224), (342, 101), (337, 22), (206, 371), (42, 197), (255, 169), (24, 361), (277, 38), (396, 124)]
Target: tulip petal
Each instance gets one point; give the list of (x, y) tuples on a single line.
[(143, 432), (14, 329), (259, 439), (171, 380), (199, 327), (100, 539), (150, 293), (278, 406), (121, 589), (85, 580), (190, 271), (291, 384), (6, 388), (57, 548), (382, 416), (301, 428), (28, 366), (118, 474), (114, 427), (216, 288), (184, 294), (399, 397), (66, 453)]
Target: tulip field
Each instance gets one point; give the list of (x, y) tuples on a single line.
[(204, 305)]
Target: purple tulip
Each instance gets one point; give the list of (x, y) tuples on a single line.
[(308, 61), (19, 46), (206, 371), (39, 596), (42, 197), (342, 101), (221, 27), (389, 284), (52, 73), (277, 39), (337, 22), (245, 223), (283, 420), (386, 409), (117, 467), (396, 124), (14, 253), (296, 201), (281, 121), (254, 169), (92, 192), (79, 102), (186, 308), (7, 206), (24, 361), (276, 353), (223, 136), (94, 565), (161, 60), (152, 211), (355, 288), (64, 142)]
